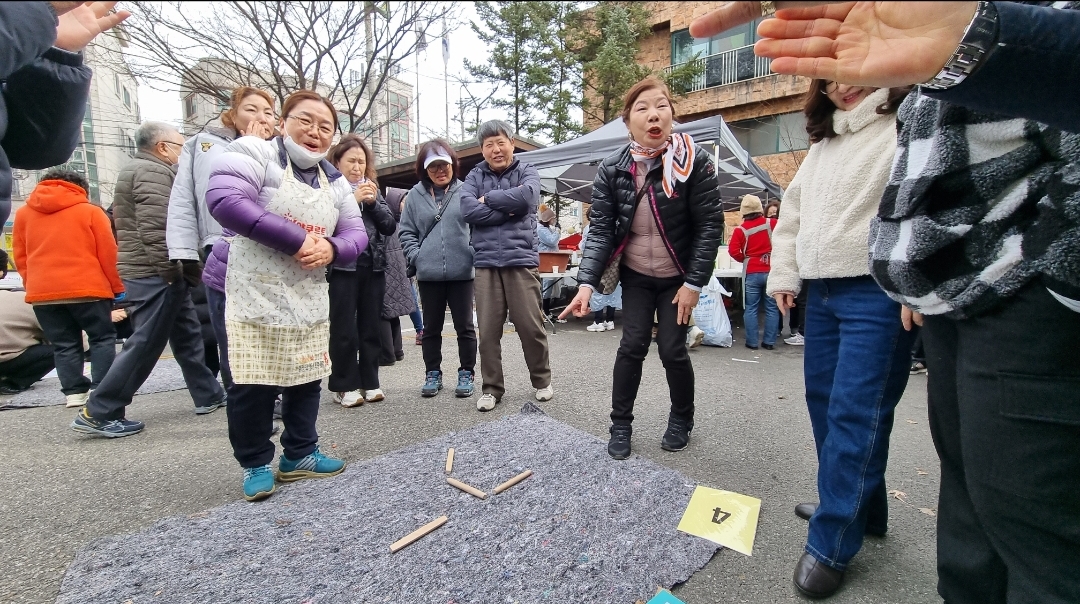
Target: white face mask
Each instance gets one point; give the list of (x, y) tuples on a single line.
[(300, 155)]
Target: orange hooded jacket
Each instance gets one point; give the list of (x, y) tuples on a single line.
[(64, 247)]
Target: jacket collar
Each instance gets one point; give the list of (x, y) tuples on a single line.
[(223, 133), (148, 156), (863, 114), (487, 168), (422, 187), (332, 173)]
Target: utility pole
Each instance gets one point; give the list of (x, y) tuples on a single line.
[(446, 75)]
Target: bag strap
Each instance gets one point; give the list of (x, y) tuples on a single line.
[(439, 209)]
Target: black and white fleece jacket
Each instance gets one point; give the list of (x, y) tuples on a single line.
[(977, 206)]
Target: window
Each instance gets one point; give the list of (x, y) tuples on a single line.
[(772, 134), (223, 105), (190, 106), (683, 47), (116, 83), (128, 141), (399, 126), (127, 98)]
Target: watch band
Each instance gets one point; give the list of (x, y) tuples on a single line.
[(768, 9), (978, 42)]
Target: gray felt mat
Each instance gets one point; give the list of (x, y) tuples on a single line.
[(584, 528), (166, 376)]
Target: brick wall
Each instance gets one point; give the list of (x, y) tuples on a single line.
[(781, 166)]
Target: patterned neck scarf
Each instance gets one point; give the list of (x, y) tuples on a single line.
[(678, 158)]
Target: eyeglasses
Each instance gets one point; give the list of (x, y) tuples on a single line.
[(829, 88), (172, 143), (438, 167), (325, 129)]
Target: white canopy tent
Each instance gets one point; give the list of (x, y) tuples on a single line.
[(568, 169)]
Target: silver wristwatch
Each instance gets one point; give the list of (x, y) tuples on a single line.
[(979, 40)]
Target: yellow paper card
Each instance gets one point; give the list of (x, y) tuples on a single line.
[(724, 517)]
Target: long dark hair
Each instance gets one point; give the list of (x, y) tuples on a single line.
[(819, 109)]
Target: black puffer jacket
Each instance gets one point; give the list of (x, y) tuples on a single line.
[(380, 224), (691, 221)]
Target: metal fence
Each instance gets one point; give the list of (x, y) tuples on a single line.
[(726, 67)]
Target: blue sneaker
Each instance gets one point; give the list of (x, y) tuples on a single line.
[(432, 384), (315, 465), (115, 428), (259, 483), (464, 388)]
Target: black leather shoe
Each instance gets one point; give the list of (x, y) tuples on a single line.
[(768, 346), (677, 435), (619, 445), (751, 347), (805, 510), (814, 579)]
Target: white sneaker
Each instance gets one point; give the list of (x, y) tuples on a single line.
[(596, 327), (373, 396), (352, 398), (486, 402), (694, 337), (610, 325), (545, 394), (76, 400), (796, 340)]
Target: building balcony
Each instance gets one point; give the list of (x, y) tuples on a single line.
[(728, 67)]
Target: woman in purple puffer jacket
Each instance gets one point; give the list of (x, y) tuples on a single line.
[(286, 213)]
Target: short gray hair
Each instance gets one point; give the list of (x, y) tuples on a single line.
[(493, 128), (149, 133)]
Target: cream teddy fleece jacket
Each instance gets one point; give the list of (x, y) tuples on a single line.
[(825, 219)]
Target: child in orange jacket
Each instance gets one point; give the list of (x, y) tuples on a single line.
[(66, 253)]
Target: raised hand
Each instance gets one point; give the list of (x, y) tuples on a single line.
[(78, 26), (881, 44), (258, 128)]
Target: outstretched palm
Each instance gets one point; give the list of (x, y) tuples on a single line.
[(881, 44), (79, 26)]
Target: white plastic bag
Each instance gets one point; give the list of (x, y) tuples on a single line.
[(710, 315)]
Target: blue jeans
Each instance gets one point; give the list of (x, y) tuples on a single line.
[(415, 316), (856, 365), (755, 297), (215, 302)]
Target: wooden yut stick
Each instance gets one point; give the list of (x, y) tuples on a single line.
[(450, 461), (417, 534), (509, 483), (475, 492)]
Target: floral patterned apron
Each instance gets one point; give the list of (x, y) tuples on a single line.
[(276, 312)]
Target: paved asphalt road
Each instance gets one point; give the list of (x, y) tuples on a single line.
[(62, 490)]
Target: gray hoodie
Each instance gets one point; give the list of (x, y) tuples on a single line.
[(445, 253)]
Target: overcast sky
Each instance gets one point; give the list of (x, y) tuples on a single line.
[(166, 106)]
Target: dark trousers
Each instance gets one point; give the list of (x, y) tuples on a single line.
[(1004, 400), (917, 350), (356, 299), (390, 341), (215, 302), (22, 371), (63, 325), (644, 297), (798, 312), (161, 314), (856, 367), (435, 297), (251, 421), (604, 315)]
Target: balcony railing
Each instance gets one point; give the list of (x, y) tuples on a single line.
[(727, 67)]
